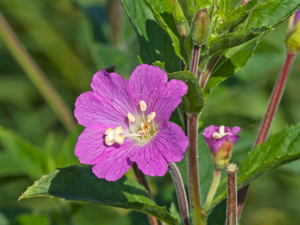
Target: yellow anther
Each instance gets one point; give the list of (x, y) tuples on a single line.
[(143, 106), (113, 136), (130, 117), (151, 116)]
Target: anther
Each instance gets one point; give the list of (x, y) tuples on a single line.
[(151, 116), (143, 106), (130, 117)]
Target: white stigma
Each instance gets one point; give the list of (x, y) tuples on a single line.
[(113, 136), (221, 133), (130, 117), (143, 106), (151, 116)]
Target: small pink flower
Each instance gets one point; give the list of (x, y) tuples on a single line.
[(220, 141), (127, 122)]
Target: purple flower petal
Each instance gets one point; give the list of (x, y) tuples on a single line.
[(89, 110), (235, 130), (114, 89), (168, 145), (149, 160), (171, 142), (162, 97), (111, 162)]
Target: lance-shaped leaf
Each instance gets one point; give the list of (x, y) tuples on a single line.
[(281, 148), (80, 184), (192, 101), (155, 43)]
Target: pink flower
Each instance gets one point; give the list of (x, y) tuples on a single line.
[(220, 141), (127, 122)]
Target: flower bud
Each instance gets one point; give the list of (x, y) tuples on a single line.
[(293, 33), (200, 27), (220, 141)]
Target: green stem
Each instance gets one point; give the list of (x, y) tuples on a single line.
[(213, 188), (206, 74), (36, 75), (270, 113), (192, 153)]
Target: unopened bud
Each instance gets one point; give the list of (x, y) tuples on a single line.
[(179, 16), (293, 33), (200, 27), (223, 155)]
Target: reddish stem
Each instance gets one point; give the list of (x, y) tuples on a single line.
[(269, 116), (231, 211)]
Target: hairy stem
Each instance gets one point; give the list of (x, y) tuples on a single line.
[(269, 116), (140, 177), (36, 75), (180, 192), (213, 188), (231, 211), (192, 152)]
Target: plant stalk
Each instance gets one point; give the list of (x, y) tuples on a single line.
[(269, 116), (231, 211), (192, 153), (180, 192), (36, 75), (213, 188), (141, 179)]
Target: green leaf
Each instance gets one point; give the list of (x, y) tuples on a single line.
[(281, 148), (237, 16), (272, 13), (155, 43), (193, 101), (23, 152), (231, 62), (166, 20), (79, 183)]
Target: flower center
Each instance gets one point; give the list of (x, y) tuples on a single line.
[(221, 133), (141, 129)]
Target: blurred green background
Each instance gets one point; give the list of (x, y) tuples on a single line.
[(70, 40)]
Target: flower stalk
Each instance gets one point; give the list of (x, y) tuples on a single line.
[(203, 78), (213, 188), (231, 211), (180, 193), (269, 116), (36, 75)]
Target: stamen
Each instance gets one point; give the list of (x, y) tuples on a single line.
[(113, 136), (143, 106), (151, 116), (130, 117), (221, 133), (222, 130)]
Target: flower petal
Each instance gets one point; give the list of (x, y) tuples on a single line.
[(168, 145), (111, 162), (171, 142), (235, 130), (114, 89), (89, 110), (149, 160), (208, 131), (162, 97)]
